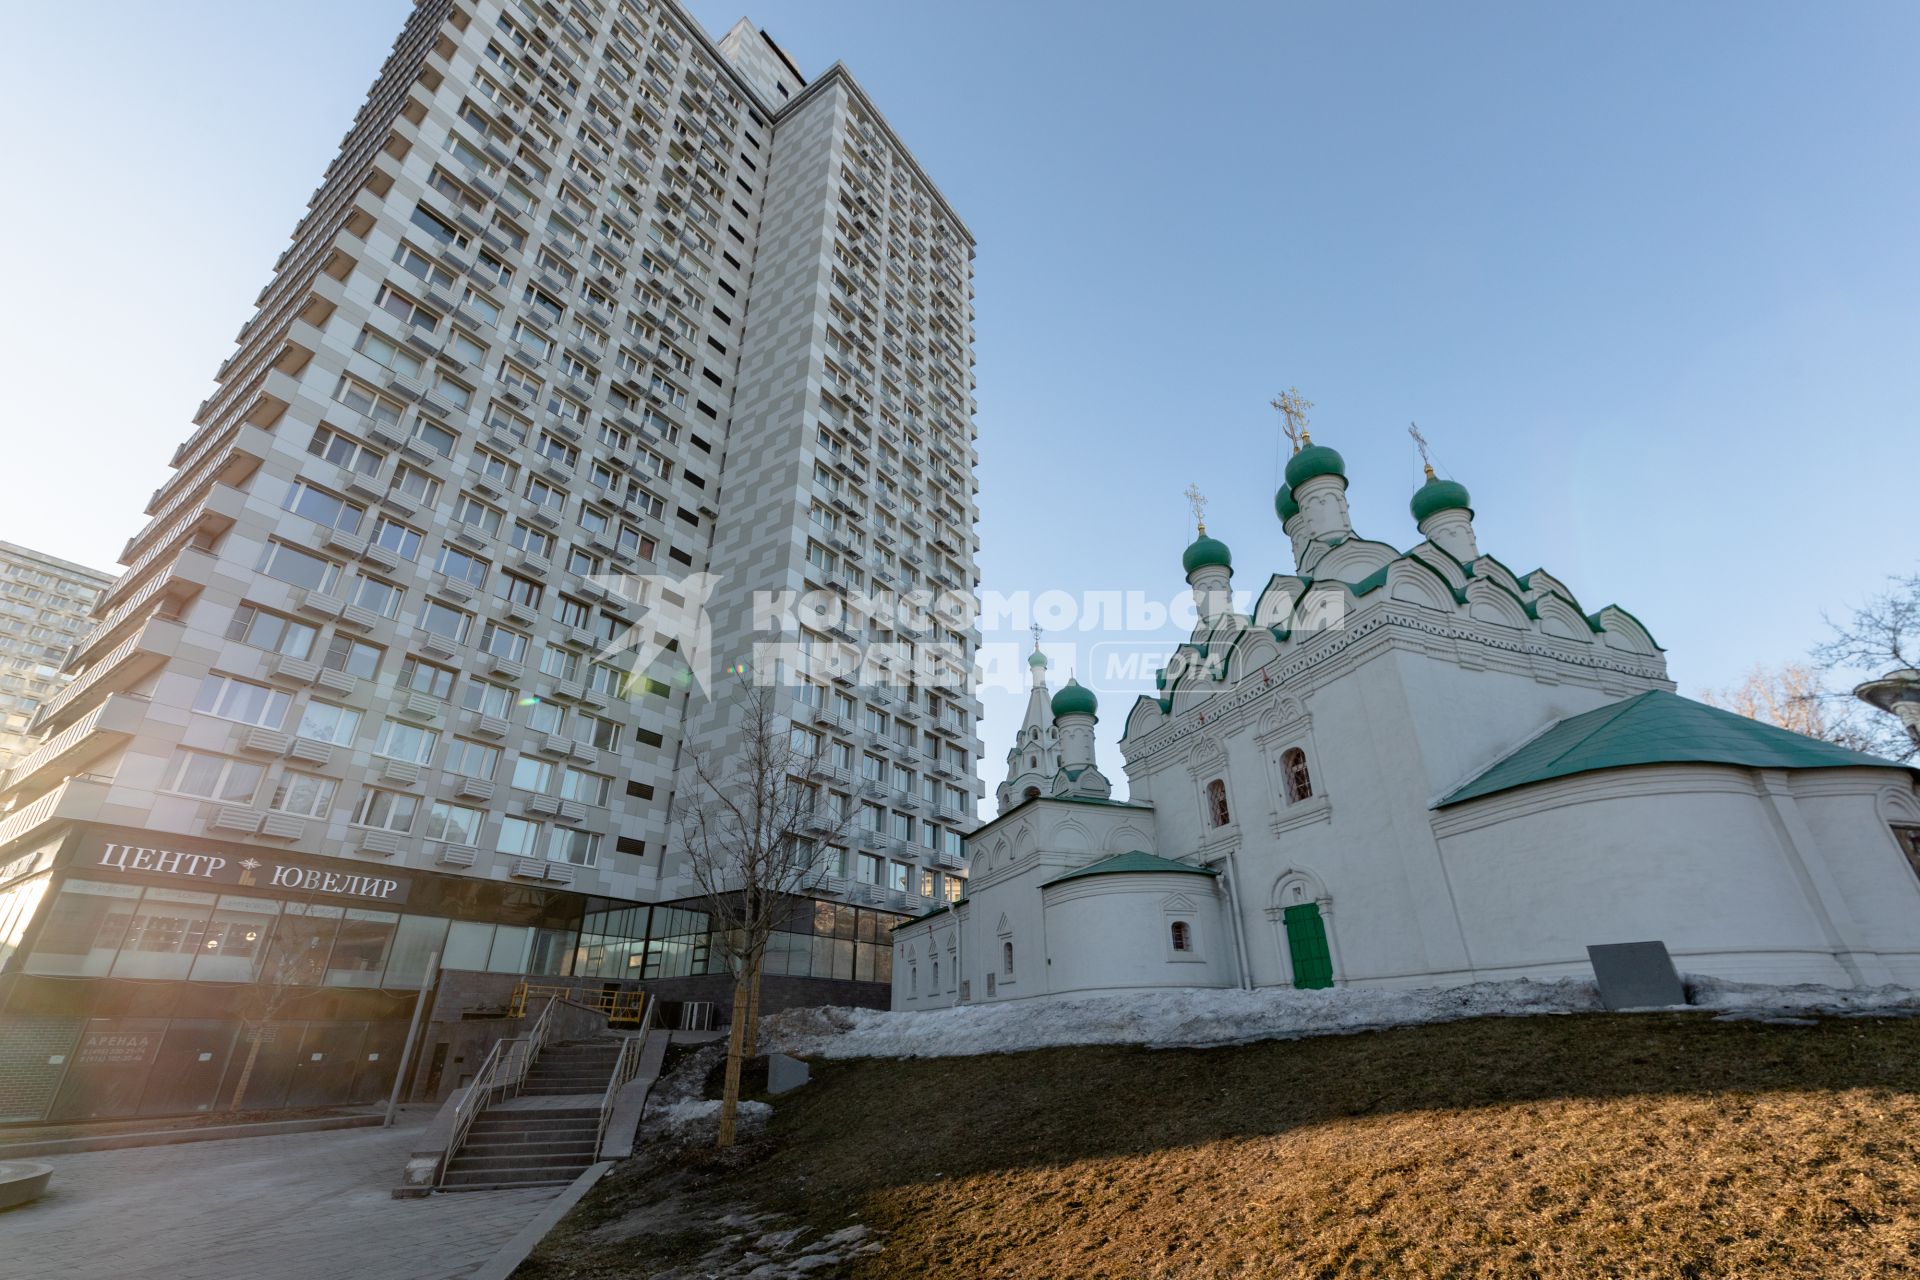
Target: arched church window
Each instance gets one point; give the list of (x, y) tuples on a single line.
[(936, 974), (1217, 813), (1006, 958), (1182, 936), (1033, 762), (913, 980), (1033, 793), (1293, 765)]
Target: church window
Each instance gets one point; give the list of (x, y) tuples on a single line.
[(1033, 762), (1033, 793), (1293, 766), (1182, 936), (1909, 838), (936, 973), (1006, 958), (1217, 813), (913, 980)]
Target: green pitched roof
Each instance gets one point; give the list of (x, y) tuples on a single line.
[(1657, 727), (1134, 862)]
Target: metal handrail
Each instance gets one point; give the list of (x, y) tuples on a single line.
[(509, 1060), (625, 1068)]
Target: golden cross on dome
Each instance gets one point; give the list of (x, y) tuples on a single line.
[(1293, 407), (1198, 501), (1420, 442)]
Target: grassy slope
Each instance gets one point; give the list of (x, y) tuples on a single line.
[(1651, 1145)]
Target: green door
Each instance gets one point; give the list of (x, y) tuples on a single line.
[(1307, 942)]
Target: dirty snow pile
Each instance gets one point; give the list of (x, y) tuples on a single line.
[(698, 1120), (1200, 1017)]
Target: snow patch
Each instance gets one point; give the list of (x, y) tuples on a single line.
[(698, 1120), (1202, 1017)]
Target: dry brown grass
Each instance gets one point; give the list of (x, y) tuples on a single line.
[(1644, 1146)]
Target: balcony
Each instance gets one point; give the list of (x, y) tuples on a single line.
[(140, 654), (166, 592), (107, 726), (78, 799)]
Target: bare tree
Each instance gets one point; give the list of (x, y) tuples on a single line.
[(1883, 635), (751, 822), (1790, 697), (283, 976)]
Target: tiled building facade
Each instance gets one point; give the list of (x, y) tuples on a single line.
[(45, 603), (586, 306)]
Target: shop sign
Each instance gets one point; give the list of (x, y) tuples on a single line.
[(245, 868)]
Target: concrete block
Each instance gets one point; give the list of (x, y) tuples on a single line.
[(786, 1074), (1636, 975)]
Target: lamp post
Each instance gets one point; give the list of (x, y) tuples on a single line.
[(1898, 694)]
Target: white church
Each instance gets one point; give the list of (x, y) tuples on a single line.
[(1414, 769)]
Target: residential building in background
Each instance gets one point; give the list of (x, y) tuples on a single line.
[(591, 320), (45, 603)]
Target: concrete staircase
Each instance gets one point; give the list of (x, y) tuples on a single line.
[(546, 1136)]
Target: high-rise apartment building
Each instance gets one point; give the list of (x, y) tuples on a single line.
[(45, 603), (591, 320)]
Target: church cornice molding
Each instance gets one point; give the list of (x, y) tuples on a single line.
[(1301, 674)]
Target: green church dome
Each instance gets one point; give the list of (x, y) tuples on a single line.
[(1439, 495), (1074, 699), (1283, 504), (1036, 659), (1314, 460), (1207, 551)]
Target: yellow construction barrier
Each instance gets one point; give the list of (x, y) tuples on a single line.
[(619, 1006)]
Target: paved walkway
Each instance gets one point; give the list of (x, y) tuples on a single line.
[(309, 1206)]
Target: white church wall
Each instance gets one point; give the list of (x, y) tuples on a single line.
[(1116, 931), (1692, 856), (1850, 814)]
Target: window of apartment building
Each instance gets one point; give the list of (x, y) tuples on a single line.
[(480, 305), (531, 339), (504, 642), (212, 777), (560, 664), (487, 698), (471, 759), (242, 701), (398, 304), (600, 732), (430, 678), (521, 591), (416, 262), (475, 514), (416, 486), (402, 540), (446, 621), (304, 795), (587, 788), (387, 353), (546, 717), (466, 348), (518, 838), (345, 451), (581, 848), (376, 595), (291, 565), (355, 657), (530, 773), (364, 400), (432, 436), (533, 541), (461, 566), (572, 613), (519, 379), (454, 823), (542, 494), (329, 723), (386, 810), (492, 466), (869, 869)]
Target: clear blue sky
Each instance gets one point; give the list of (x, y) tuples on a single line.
[(1646, 274)]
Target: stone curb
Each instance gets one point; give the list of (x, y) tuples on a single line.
[(168, 1137), (514, 1252)]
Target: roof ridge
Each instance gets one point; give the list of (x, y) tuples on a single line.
[(1619, 709)]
